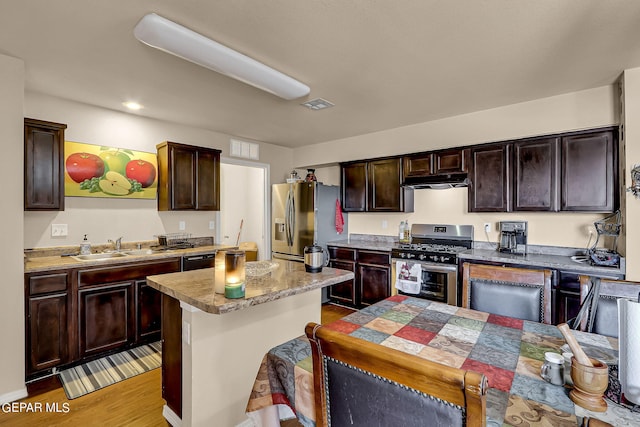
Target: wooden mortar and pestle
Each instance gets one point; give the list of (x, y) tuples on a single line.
[(590, 376)]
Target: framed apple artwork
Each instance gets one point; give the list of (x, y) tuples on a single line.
[(103, 171)]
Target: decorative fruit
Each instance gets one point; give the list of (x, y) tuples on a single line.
[(115, 184), (142, 171), (81, 166), (115, 160)]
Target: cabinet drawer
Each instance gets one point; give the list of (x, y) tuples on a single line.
[(343, 265), (342, 253), (47, 284), (126, 272), (381, 258)]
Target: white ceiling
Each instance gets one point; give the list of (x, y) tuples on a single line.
[(384, 64)]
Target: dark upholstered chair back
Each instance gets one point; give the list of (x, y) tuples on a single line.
[(515, 292), (605, 315), (359, 383)]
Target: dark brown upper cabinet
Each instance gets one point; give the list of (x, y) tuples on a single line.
[(375, 186), (188, 177), (43, 165), (568, 172), (490, 183), (440, 162), (535, 175), (589, 172), (417, 165)]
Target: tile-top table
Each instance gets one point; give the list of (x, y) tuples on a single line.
[(508, 351)]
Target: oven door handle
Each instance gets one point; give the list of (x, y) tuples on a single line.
[(436, 268)]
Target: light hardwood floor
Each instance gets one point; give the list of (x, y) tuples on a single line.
[(134, 402)]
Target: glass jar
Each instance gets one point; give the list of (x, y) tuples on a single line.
[(234, 274)]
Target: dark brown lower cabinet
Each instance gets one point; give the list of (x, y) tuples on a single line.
[(148, 315), (172, 353), (374, 276), (79, 314), (47, 332), (372, 282), (106, 317)]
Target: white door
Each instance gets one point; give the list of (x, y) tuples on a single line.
[(243, 216)]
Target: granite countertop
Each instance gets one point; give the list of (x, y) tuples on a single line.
[(197, 287), (367, 241), (35, 264), (558, 261)]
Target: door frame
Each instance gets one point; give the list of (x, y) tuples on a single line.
[(266, 226)]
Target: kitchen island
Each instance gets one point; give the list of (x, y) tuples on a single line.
[(219, 342)]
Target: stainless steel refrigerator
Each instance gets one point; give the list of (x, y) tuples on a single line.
[(302, 214)]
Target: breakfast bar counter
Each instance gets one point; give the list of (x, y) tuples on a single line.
[(219, 342)]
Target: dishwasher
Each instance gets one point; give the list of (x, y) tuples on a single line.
[(196, 262)]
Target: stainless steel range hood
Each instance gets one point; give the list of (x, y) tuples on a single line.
[(437, 182)]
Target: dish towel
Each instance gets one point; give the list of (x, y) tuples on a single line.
[(409, 277), (339, 218)]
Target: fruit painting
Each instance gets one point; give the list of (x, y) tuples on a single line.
[(100, 171)]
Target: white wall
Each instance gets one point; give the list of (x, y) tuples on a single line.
[(580, 110), (632, 147), (104, 219), (246, 205), (11, 258)]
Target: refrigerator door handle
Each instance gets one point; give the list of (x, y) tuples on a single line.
[(290, 219)]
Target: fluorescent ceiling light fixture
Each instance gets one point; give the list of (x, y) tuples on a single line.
[(160, 33), (132, 105)]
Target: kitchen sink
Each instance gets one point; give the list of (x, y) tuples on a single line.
[(99, 256), (141, 252)]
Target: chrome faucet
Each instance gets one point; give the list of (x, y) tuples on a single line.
[(118, 243)]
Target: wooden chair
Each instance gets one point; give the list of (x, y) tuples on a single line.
[(602, 312), (361, 383), (515, 292)]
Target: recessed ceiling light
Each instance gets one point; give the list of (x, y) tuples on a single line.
[(317, 104), (132, 105)]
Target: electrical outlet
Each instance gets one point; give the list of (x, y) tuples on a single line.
[(385, 224), (487, 227), (59, 230), (182, 225), (212, 225)]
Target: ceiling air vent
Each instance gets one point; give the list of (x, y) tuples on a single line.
[(317, 104)]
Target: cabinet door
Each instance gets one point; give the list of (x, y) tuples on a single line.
[(449, 161), (345, 292), (374, 283), (149, 308), (106, 317), (183, 173), (489, 190), (417, 165), (385, 193), (536, 175), (172, 353), (43, 165), (354, 184), (589, 172), (47, 334), (208, 181)]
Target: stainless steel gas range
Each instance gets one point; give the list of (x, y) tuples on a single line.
[(428, 266)]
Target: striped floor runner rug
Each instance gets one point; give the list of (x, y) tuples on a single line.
[(108, 370)]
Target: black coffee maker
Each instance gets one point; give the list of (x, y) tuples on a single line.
[(513, 237)]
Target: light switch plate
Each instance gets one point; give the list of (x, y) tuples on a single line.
[(59, 230)]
